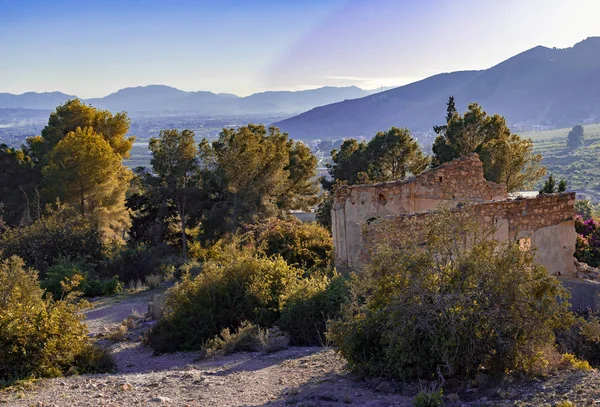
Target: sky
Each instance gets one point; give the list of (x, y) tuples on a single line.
[(90, 48)]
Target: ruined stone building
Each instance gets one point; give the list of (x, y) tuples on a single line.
[(544, 222)]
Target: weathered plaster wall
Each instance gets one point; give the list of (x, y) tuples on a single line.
[(545, 223), (458, 182)]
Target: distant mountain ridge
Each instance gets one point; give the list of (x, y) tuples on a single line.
[(541, 86), (161, 98)]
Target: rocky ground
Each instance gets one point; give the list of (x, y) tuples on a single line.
[(296, 376)]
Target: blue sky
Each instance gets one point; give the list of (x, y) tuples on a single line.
[(92, 48)]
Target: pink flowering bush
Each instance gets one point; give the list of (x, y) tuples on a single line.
[(587, 248)]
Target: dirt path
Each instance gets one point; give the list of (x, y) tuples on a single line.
[(297, 376)]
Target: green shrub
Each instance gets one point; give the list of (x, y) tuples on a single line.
[(305, 314), (429, 398), (306, 245), (62, 232), (135, 263), (428, 304), (583, 338), (240, 287), (247, 338), (66, 275), (40, 337)]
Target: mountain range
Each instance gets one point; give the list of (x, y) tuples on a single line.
[(541, 86), (160, 98)]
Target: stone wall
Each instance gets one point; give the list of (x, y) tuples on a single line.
[(458, 182), (544, 223)]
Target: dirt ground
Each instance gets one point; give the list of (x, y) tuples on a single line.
[(298, 376)]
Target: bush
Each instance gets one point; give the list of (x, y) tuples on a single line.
[(306, 313), (429, 398), (428, 305), (587, 248), (136, 263), (40, 337), (247, 338), (153, 281), (66, 275), (306, 245), (582, 339), (242, 286), (63, 232)]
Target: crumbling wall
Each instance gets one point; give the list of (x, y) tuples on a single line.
[(544, 223), (458, 182)]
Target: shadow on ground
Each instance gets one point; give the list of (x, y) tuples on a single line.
[(336, 390)]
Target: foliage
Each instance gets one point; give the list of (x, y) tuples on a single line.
[(66, 275), (306, 313), (584, 208), (506, 157), (582, 340), (62, 232), (18, 181), (390, 155), (250, 174), (305, 245), (433, 398), (153, 281), (138, 262), (175, 163), (550, 186), (240, 286), (84, 172), (40, 337), (247, 338), (587, 247), (76, 114), (323, 214), (155, 219), (579, 166), (575, 137), (429, 305)]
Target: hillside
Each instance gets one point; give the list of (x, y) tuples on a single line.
[(160, 98), (541, 86), (579, 167)]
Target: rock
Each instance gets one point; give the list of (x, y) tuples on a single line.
[(384, 387), (482, 379), (453, 397), (160, 399), (127, 386)]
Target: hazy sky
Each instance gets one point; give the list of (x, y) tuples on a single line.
[(91, 48)]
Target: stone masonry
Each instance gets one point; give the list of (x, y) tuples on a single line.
[(544, 222)]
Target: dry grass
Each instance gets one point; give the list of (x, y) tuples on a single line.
[(153, 281)]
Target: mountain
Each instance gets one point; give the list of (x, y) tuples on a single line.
[(303, 100), (33, 100), (160, 98), (541, 86)]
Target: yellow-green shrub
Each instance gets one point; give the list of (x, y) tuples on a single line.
[(306, 312), (430, 305), (306, 245), (240, 286), (61, 232), (40, 337)]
